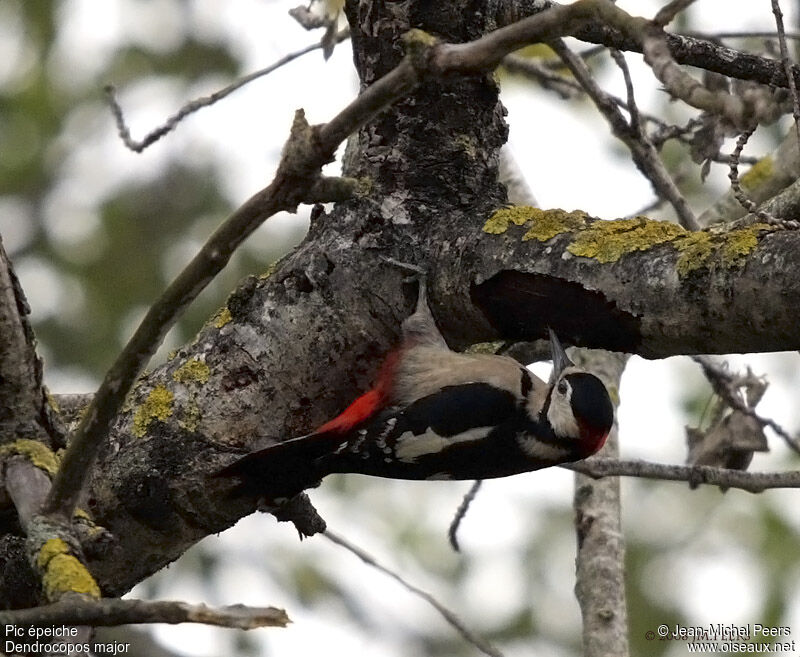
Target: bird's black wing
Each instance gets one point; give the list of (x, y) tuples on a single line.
[(461, 432)]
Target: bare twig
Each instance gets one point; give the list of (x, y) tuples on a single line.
[(668, 12), (461, 511), (744, 34), (643, 152), (633, 110), (741, 196), (724, 385), (786, 60), (753, 482), (199, 103), (480, 643), (114, 611)]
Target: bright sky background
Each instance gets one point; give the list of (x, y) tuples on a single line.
[(247, 130)]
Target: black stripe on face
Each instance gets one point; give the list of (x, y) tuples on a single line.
[(526, 384)]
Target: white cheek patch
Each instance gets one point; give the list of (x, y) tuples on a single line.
[(562, 419), (409, 447), (540, 451)]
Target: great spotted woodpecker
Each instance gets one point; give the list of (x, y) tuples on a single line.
[(438, 414)]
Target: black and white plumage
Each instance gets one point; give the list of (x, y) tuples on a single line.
[(438, 414)]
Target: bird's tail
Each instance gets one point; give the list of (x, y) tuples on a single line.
[(284, 469)]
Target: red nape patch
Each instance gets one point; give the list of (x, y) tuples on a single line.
[(368, 403)]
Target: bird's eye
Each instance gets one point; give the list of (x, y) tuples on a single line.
[(562, 387)]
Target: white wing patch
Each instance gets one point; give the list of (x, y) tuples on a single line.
[(409, 447), (540, 451)]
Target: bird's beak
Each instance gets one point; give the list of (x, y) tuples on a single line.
[(560, 358)]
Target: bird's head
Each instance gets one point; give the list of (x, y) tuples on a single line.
[(579, 407)]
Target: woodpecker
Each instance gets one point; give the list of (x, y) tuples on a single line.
[(438, 414)]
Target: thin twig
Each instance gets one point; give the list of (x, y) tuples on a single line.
[(723, 383), (199, 103), (480, 643), (741, 35), (741, 196), (668, 12), (114, 611), (786, 60), (633, 110), (753, 482), (461, 511), (643, 152)]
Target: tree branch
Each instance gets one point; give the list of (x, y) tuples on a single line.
[(600, 560), (753, 482), (139, 145), (113, 611), (631, 134)]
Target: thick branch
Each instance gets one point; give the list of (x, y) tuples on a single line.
[(585, 279)]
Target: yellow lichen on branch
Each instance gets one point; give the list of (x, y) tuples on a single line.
[(194, 370), (222, 317), (37, 453), (608, 241), (157, 406), (697, 250), (63, 573), (544, 224)]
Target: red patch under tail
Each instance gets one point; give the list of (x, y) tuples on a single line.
[(367, 404)]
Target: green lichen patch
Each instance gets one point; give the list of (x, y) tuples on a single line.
[(608, 241), (157, 406), (701, 249), (546, 224), (759, 173), (222, 317), (37, 453), (194, 370), (63, 573)]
